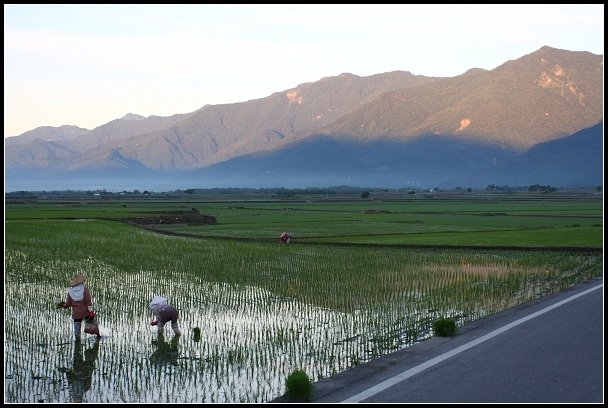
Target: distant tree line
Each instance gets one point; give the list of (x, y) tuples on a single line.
[(363, 192), (542, 189), (532, 188)]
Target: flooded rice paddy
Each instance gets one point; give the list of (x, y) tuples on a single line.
[(250, 341), (251, 338)]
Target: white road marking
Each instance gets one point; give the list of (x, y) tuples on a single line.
[(419, 368)]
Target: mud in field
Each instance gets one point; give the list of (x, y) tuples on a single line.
[(172, 218)]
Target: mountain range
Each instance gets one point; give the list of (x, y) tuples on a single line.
[(534, 120)]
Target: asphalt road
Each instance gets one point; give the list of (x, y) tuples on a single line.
[(550, 350)]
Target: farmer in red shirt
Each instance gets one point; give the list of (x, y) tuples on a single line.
[(79, 299)]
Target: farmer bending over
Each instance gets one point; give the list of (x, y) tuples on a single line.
[(163, 313)]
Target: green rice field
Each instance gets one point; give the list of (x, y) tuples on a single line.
[(360, 279)]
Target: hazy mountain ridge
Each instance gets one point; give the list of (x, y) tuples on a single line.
[(47, 134), (542, 96), (388, 120), (322, 161), (575, 160), (426, 161), (219, 132)]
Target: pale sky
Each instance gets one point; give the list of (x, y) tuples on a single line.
[(86, 65)]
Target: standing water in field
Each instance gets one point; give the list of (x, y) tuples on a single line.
[(279, 309)]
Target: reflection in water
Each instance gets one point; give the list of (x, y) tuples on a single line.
[(165, 353), (80, 375)]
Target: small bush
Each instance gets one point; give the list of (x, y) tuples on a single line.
[(299, 386), (444, 327)]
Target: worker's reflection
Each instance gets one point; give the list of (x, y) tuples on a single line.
[(165, 353), (81, 372)]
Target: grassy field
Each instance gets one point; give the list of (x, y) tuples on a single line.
[(524, 220)]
